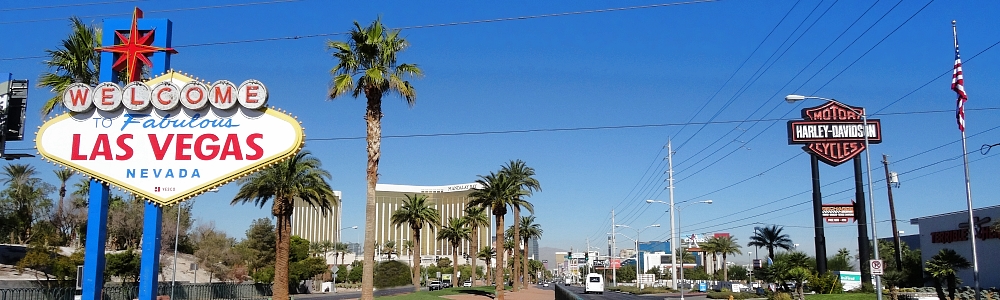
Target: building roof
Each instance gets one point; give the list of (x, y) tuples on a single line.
[(399, 188), (916, 221)]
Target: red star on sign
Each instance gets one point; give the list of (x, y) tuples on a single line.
[(134, 49)]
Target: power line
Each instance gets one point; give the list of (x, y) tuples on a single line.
[(154, 11), (67, 5)]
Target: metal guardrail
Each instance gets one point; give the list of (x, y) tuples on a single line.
[(243, 291), (564, 294)]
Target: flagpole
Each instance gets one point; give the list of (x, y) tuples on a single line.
[(965, 157)]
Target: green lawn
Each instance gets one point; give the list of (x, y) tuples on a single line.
[(850, 296), (435, 295)]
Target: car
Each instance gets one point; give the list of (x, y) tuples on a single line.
[(467, 283), (545, 284), (434, 285)]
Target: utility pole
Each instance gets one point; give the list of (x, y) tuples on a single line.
[(674, 241), (892, 213), (614, 269)]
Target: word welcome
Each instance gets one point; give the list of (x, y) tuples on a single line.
[(165, 95)]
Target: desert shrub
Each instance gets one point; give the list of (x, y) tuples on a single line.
[(392, 273)]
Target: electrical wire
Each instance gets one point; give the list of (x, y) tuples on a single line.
[(67, 5), (154, 11)]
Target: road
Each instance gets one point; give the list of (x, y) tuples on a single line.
[(578, 290)]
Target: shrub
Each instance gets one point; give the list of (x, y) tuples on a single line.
[(825, 284), (779, 296), (392, 273), (726, 294)]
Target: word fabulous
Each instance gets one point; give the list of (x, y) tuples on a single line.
[(165, 95)]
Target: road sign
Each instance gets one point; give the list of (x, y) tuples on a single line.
[(877, 266)]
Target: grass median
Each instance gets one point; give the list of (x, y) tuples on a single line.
[(428, 295)]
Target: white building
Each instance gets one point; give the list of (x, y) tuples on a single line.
[(951, 231)]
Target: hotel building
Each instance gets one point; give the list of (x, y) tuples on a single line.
[(449, 200), (310, 223)]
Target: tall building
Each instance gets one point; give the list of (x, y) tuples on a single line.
[(311, 224), (449, 200), (533, 249)]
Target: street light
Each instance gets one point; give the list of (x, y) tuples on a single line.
[(868, 164), (340, 237), (750, 269), (673, 239), (637, 232)]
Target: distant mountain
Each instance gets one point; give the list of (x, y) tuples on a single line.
[(549, 254)]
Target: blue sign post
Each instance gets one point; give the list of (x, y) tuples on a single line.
[(128, 39)]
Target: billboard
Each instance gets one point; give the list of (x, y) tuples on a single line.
[(170, 138), (834, 132)]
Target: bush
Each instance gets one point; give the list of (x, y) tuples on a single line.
[(726, 294), (825, 284), (392, 273), (779, 296)]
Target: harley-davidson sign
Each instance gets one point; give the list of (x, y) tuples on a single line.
[(170, 138), (834, 132)]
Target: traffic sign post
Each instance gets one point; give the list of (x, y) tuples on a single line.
[(877, 267)]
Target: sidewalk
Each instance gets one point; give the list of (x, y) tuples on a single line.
[(530, 293)]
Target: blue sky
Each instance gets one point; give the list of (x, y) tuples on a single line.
[(621, 83)]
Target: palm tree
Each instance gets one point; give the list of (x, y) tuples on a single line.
[(298, 178), (727, 245), (454, 232), (389, 248), (366, 64), (522, 174), (342, 249), (770, 238), (407, 247), (72, 62), (486, 253), (475, 217), (945, 265), (496, 192), (63, 175), (415, 212), (529, 230), (711, 247)]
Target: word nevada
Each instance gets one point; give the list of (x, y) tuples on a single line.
[(165, 95)]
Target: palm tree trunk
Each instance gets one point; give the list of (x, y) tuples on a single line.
[(474, 253), (951, 287), (455, 280), (416, 259), (524, 265), (516, 274), (497, 273), (373, 119), (280, 286)]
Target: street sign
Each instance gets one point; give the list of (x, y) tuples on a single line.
[(877, 266)]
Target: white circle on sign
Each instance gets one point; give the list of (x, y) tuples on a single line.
[(194, 95), (222, 94), (165, 95), (107, 96), (77, 97), (135, 96), (252, 94)]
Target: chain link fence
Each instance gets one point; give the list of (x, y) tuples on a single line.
[(229, 291)]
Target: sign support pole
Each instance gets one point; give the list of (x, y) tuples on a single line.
[(818, 215), (892, 212), (150, 260), (97, 237), (864, 251)]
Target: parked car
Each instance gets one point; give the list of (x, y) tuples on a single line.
[(467, 283), (434, 285)]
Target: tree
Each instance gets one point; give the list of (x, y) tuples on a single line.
[(389, 248), (169, 228), (75, 61), (524, 176), (125, 217), (529, 230), (257, 249), (944, 266), (496, 192), (215, 251), (727, 245), (487, 253), (341, 248), (840, 261), (124, 265), (26, 200), (737, 272), (454, 233), (61, 219), (711, 247), (366, 63), (799, 275), (475, 218), (298, 178), (770, 238), (415, 212)]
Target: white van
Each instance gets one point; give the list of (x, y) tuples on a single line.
[(594, 284)]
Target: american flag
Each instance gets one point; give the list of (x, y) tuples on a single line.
[(958, 85)]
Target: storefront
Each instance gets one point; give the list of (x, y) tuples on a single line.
[(951, 231)]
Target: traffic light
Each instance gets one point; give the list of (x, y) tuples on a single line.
[(13, 108)]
